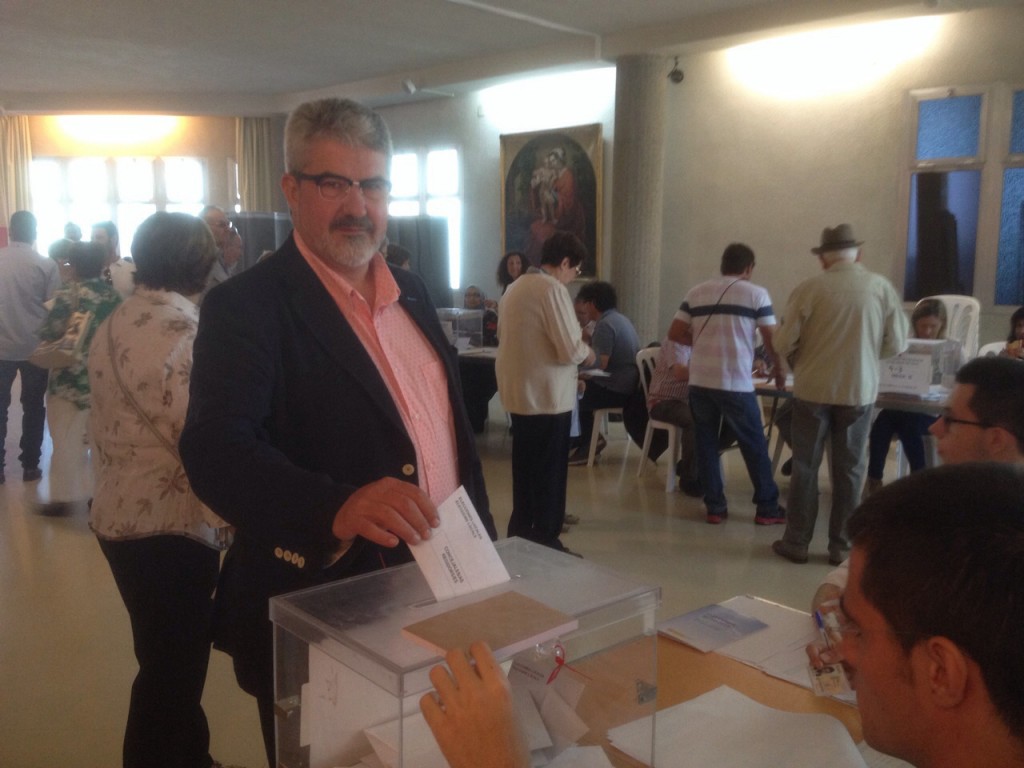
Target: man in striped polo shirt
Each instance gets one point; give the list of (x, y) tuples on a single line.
[(721, 316)]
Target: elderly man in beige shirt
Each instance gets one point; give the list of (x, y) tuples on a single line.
[(836, 327)]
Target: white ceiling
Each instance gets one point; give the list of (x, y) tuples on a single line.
[(263, 56)]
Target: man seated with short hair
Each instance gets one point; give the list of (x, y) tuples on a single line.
[(615, 343), (936, 661)]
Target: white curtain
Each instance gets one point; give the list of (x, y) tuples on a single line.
[(252, 147), (15, 160)]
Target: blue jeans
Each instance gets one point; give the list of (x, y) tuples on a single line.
[(740, 412), (845, 428), (33, 408), (911, 428)]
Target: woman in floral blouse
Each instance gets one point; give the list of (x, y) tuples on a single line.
[(67, 400), (162, 544)]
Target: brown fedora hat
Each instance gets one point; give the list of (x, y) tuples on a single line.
[(836, 239)]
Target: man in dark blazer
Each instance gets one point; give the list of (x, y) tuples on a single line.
[(325, 419)]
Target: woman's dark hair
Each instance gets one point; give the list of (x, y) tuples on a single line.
[(1015, 318), (173, 252), (504, 278), (86, 258)]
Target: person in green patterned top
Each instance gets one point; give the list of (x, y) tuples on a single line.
[(67, 399)]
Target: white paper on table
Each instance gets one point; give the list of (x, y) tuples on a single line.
[(779, 650), (459, 557), (724, 727), (710, 627), (581, 757), (419, 745), (337, 704)]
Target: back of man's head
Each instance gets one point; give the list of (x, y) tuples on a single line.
[(562, 245), (944, 557), (599, 293), (23, 227), (87, 259), (736, 258), (998, 397)]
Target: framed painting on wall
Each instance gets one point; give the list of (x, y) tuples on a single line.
[(551, 182)]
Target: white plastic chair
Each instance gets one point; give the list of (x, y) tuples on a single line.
[(646, 361), (992, 349), (963, 316)]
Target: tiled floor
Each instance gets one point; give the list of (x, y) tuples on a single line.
[(66, 662)]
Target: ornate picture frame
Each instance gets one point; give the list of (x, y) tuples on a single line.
[(551, 181)]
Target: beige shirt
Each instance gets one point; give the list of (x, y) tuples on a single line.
[(835, 329), (540, 344), (141, 487)]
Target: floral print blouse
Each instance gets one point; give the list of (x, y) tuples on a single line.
[(141, 487), (72, 383)]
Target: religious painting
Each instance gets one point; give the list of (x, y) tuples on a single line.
[(551, 183)]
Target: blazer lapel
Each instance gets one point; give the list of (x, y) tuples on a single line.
[(315, 308)]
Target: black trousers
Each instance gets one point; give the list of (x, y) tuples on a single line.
[(166, 582), (540, 470), (33, 408)]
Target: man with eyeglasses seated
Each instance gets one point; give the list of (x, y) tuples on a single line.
[(934, 617), (936, 663), (983, 421), (325, 416)]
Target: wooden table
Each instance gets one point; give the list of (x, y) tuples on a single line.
[(683, 674)]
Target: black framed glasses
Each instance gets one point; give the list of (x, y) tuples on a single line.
[(333, 186), (947, 420)]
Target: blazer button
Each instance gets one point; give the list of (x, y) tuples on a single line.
[(302, 562), (288, 555), (278, 553), (408, 470)]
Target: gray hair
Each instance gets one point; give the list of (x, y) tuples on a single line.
[(343, 120), (842, 254)]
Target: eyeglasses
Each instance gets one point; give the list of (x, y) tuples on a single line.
[(334, 187), (579, 270), (947, 420)]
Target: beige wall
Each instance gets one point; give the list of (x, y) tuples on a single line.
[(773, 173)]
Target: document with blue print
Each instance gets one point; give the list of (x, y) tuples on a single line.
[(459, 557)]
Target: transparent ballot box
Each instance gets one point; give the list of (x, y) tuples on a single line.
[(348, 681), (463, 327)]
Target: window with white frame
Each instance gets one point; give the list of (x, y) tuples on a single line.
[(125, 190), (427, 182)]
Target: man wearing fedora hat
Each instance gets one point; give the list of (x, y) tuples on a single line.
[(836, 327)]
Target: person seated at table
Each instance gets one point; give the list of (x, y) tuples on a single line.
[(474, 298), (615, 342), (1015, 341), (928, 321), (397, 256), (938, 672), (511, 266), (668, 402)]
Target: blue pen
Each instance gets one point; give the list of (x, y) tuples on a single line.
[(820, 621)]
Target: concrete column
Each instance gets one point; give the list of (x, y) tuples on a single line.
[(637, 186)]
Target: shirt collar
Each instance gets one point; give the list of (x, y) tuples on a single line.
[(386, 290)]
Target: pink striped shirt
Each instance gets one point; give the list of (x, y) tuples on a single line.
[(410, 367)]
